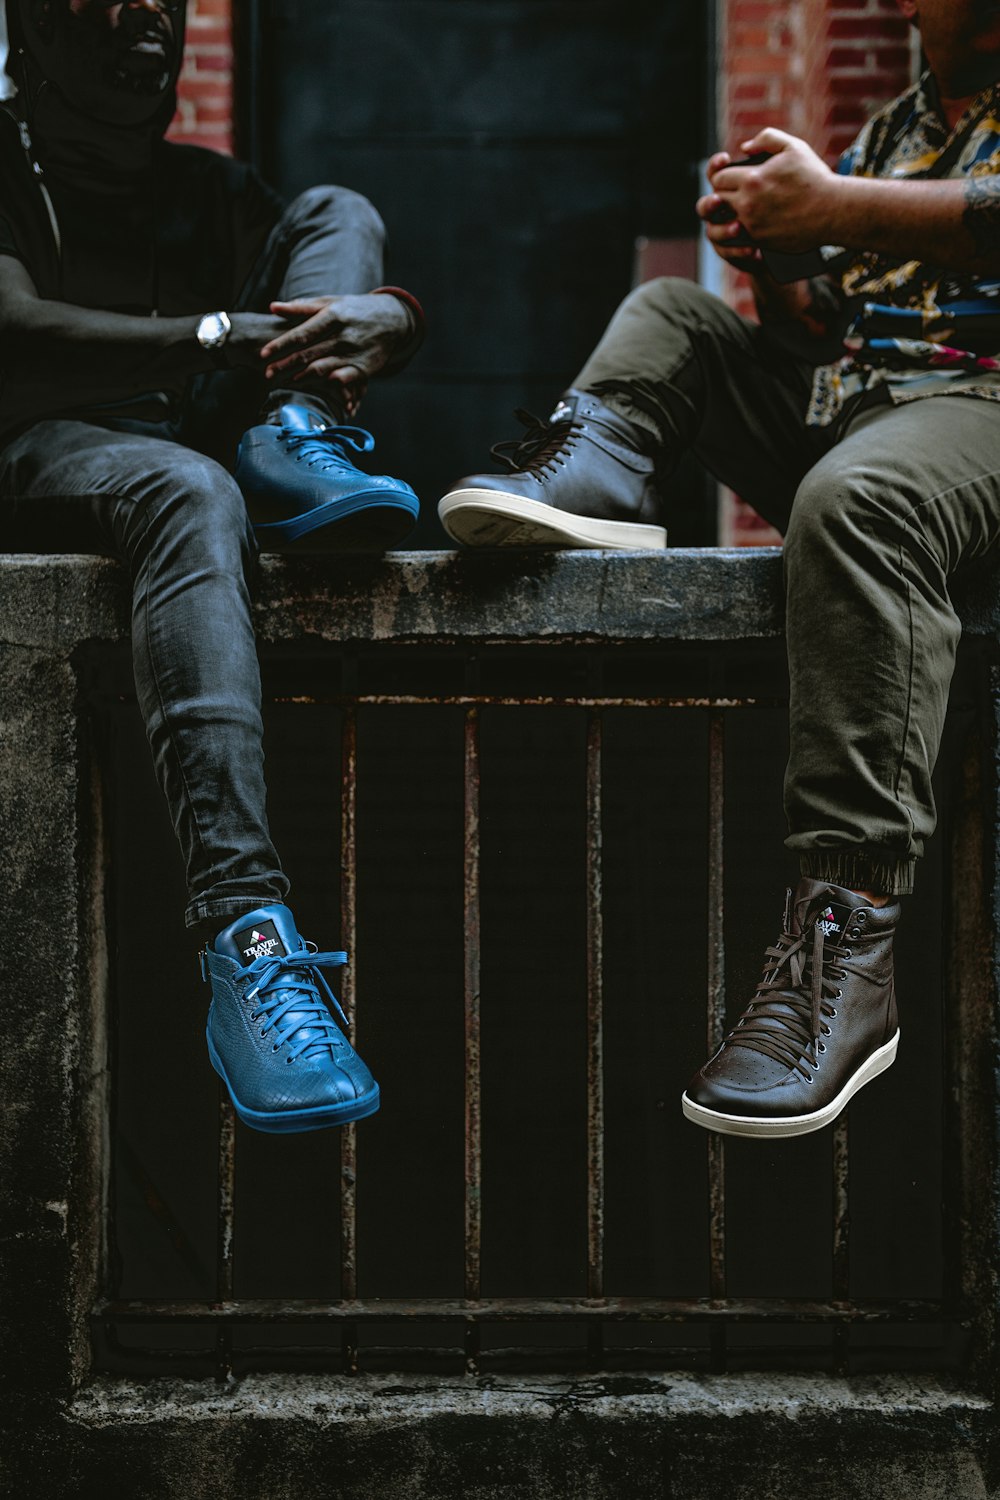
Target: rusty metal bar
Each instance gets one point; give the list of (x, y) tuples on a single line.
[(349, 1000), (595, 1030), (531, 1310), (716, 1019), (473, 1038), (225, 1219), (841, 1239), (514, 700), (970, 1035), (716, 880)]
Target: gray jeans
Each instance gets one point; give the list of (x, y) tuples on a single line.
[(152, 494), (877, 515)]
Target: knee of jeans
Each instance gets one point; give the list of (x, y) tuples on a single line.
[(343, 204), (195, 500)]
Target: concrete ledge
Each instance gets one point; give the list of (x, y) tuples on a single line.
[(692, 594)]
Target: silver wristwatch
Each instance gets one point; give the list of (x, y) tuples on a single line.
[(213, 331)]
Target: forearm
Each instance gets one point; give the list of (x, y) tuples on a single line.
[(61, 344), (952, 223)]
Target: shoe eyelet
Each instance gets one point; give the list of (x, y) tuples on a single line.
[(808, 1077), (263, 1034), (276, 1047), (821, 1047), (838, 996), (254, 1016), (826, 1031), (848, 953), (862, 917)]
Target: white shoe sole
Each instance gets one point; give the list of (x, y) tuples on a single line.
[(775, 1128), (489, 518)]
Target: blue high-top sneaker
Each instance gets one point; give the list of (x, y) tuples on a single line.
[(271, 1038), (304, 493)]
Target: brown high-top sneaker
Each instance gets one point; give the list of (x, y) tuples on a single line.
[(584, 478), (822, 1024)]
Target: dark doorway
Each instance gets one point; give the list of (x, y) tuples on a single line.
[(516, 149)]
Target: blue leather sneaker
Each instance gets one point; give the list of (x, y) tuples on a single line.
[(304, 493), (271, 1038)]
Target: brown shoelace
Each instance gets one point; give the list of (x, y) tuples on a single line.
[(787, 1018), (543, 446)]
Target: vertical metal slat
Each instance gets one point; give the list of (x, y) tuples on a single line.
[(716, 1022), (841, 1241), (473, 1061), (595, 1032), (225, 1218), (349, 932)]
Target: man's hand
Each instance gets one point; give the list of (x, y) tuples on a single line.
[(727, 236), (340, 339), (788, 203), (730, 236), (794, 202)]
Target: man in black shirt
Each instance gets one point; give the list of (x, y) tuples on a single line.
[(162, 317)]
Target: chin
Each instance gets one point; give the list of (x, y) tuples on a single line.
[(147, 85)]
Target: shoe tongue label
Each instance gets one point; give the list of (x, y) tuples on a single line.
[(832, 920), (565, 411), (261, 941)]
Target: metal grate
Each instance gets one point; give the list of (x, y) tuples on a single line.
[(691, 1330)]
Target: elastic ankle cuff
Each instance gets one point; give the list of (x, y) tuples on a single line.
[(325, 406), (860, 872), (219, 912)]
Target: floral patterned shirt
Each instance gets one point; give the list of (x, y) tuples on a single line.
[(915, 328)]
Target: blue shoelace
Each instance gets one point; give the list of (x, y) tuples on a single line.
[(328, 447), (295, 978)]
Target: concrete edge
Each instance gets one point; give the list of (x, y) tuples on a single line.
[(331, 1399), (61, 602)]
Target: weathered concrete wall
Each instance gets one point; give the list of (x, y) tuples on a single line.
[(51, 1073), (271, 1437), (676, 1437)]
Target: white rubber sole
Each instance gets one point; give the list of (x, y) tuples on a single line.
[(489, 518), (775, 1128)]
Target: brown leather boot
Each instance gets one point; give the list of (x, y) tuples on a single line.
[(584, 478), (822, 1024)]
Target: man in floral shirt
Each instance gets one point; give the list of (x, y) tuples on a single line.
[(880, 464)]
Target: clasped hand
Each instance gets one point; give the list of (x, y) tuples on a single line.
[(785, 203)]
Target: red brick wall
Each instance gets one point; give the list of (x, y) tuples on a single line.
[(868, 55), (817, 68), (205, 92)]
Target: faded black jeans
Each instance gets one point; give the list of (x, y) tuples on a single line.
[(159, 495), (877, 512)]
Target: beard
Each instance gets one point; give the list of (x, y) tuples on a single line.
[(139, 74)]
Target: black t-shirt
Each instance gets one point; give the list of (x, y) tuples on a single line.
[(183, 239)]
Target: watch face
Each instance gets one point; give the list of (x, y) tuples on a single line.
[(211, 331)]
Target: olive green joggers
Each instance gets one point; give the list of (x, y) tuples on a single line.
[(877, 513)]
